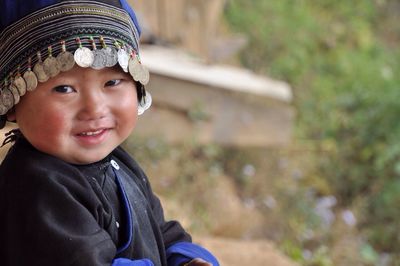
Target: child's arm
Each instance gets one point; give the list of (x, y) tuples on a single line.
[(178, 243), (186, 253), (180, 249), (145, 262), (197, 262)]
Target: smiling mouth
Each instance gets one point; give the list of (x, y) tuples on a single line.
[(92, 133)]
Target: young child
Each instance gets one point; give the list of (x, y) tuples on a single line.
[(72, 80)]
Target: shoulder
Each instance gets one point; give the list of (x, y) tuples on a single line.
[(126, 159), (130, 166), (24, 158), (25, 167)]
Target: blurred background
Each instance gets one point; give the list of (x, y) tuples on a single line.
[(273, 136), (279, 124)]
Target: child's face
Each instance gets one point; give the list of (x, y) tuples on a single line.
[(81, 115)]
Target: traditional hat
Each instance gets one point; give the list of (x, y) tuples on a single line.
[(41, 38)]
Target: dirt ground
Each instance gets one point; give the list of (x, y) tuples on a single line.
[(232, 252)]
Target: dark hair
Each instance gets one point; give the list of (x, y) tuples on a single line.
[(141, 91)]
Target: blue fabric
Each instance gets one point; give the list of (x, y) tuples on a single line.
[(127, 262), (131, 13), (17, 9), (178, 251), (128, 215)]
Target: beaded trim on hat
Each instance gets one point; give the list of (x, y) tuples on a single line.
[(31, 49)]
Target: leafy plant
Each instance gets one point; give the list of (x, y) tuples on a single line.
[(341, 58)]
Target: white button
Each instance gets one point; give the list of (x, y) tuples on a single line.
[(115, 164)]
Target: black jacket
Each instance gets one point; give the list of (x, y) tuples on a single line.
[(55, 213)]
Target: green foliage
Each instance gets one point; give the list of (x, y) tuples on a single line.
[(369, 255), (342, 58)]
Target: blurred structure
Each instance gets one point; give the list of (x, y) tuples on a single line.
[(212, 103), (189, 24), (193, 96)]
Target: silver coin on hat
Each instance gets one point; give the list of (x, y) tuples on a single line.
[(66, 60), (3, 109), (111, 56), (123, 59), (100, 59), (134, 67), (144, 75), (139, 73), (145, 103), (51, 67), (7, 98), (39, 70), (110, 52), (15, 93), (20, 83), (83, 57), (31, 80)]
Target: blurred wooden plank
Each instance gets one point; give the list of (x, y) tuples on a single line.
[(190, 24), (191, 103)]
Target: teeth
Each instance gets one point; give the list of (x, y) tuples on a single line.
[(91, 133)]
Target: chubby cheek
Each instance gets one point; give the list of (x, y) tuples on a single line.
[(43, 128), (127, 123), (127, 115)]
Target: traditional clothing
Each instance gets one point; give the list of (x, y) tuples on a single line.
[(55, 213)]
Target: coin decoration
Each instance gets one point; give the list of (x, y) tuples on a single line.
[(3, 109), (38, 69), (137, 70), (7, 98), (20, 84), (50, 65), (100, 60), (123, 57), (30, 77), (112, 56), (110, 52), (65, 59), (134, 66), (144, 75), (14, 92), (95, 52), (145, 103), (83, 56)]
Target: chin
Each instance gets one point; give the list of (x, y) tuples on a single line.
[(86, 158)]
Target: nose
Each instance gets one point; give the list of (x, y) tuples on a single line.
[(92, 105)]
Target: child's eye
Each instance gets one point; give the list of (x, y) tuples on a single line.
[(64, 89), (113, 82)]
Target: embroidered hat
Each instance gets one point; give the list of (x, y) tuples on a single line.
[(41, 38)]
